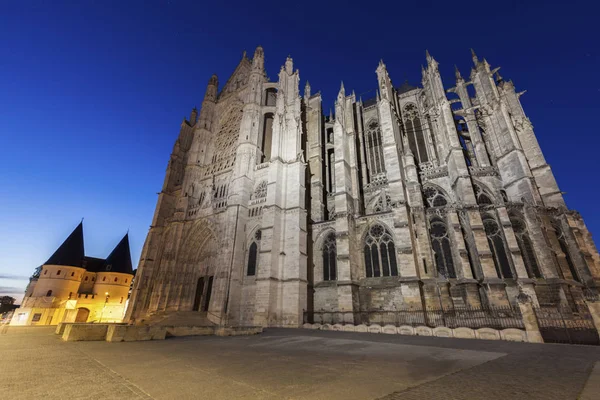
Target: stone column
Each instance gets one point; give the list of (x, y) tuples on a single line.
[(529, 319)]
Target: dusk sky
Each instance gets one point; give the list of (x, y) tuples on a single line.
[(92, 94)]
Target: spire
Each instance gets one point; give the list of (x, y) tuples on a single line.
[(258, 62), (211, 88), (307, 90), (119, 260), (193, 116), (289, 65), (428, 56), (70, 252), (474, 57), (457, 73), (330, 115), (342, 92), (423, 71)]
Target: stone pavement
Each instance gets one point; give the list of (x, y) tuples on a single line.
[(293, 364)]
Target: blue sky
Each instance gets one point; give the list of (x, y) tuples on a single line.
[(92, 93)]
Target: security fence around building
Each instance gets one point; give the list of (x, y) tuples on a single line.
[(464, 317)]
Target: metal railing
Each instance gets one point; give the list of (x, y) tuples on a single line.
[(464, 317)]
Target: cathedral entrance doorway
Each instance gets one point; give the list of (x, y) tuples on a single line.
[(208, 293), (82, 315), (199, 291)]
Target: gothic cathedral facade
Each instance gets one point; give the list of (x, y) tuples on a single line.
[(421, 196)]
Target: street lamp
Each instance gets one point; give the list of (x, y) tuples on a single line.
[(105, 301)]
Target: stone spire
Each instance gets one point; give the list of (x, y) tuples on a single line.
[(474, 57), (457, 74), (307, 91), (258, 62)]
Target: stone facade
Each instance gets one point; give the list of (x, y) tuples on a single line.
[(418, 197)]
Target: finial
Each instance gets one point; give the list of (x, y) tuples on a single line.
[(427, 55), (474, 57), (423, 72), (244, 54), (457, 73)]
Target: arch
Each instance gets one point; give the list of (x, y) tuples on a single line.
[(482, 194), (415, 132), (434, 196), (381, 205), (379, 252), (252, 258), (267, 137), (493, 233), (564, 247), (198, 295), (374, 145), (270, 96), (82, 315), (525, 245), (329, 256), (442, 249)]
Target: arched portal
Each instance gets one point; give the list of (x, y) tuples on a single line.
[(82, 315)]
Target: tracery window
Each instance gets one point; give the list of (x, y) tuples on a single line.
[(480, 195), (380, 253), (525, 245), (497, 247), (252, 256), (440, 242), (434, 197), (374, 148), (562, 241), (260, 191), (329, 258), (415, 133), (381, 206)]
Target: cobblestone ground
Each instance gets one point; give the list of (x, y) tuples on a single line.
[(292, 364)]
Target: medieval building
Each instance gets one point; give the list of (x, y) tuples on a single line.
[(72, 287), (419, 197)]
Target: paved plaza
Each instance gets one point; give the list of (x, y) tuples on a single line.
[(293, 364)]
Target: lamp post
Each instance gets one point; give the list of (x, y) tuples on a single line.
[(105, 301)]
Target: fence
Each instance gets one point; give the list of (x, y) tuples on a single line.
[(467, 317), (567, 325)]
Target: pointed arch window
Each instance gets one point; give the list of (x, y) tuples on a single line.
[(252, 256), (380, 253), (525, 245), (442, 250), (434, 197), (481, 196), (497, 247), (415, 133), (329, 254), (562, 241), (374, 148)]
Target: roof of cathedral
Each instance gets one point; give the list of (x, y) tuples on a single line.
[(71, 253), (405, 87)]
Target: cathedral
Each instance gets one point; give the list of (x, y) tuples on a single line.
[(418, 197)]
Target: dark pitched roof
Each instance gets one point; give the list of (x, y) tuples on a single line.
[(71, 251), (119, 260), (405, 87), (370, 102)]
